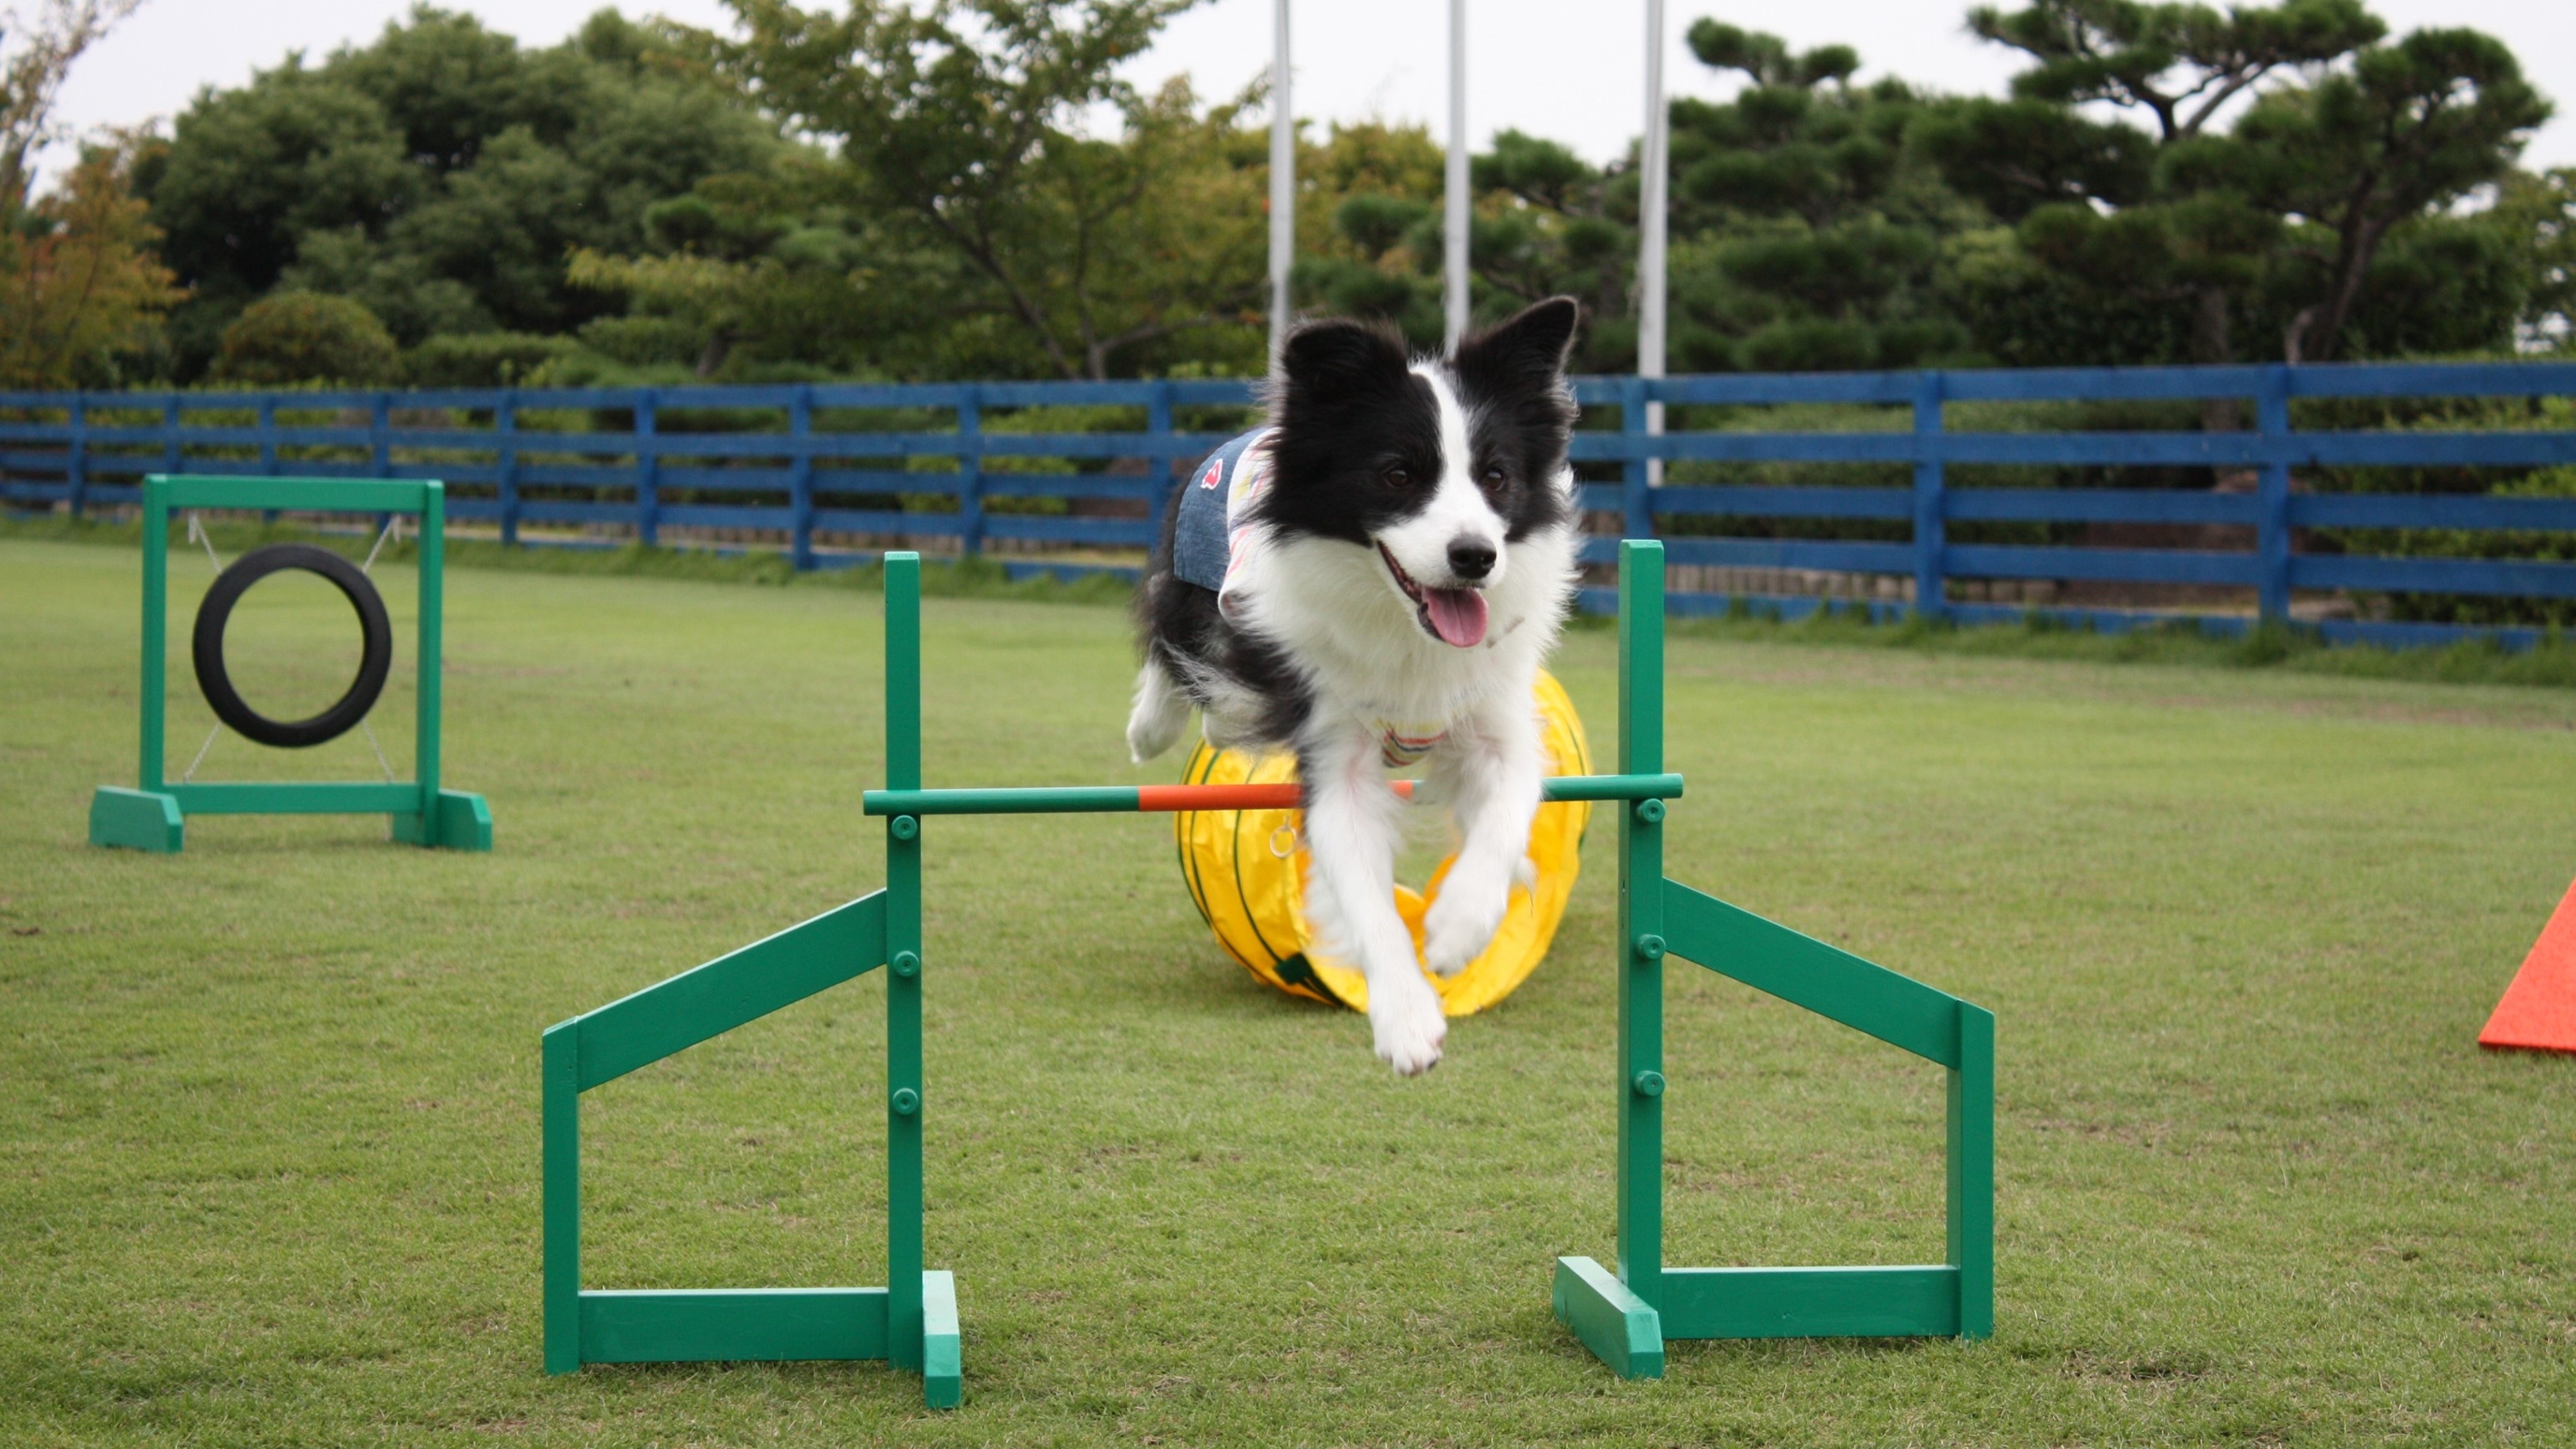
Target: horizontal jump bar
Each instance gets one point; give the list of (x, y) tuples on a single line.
[(1163, 799)]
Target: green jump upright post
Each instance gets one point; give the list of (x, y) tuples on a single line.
[(153, 815), (921, 1320), (1640, 1084), (147, 817), (1616, 1315), (1626, 1317)]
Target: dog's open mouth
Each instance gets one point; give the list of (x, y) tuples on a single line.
[(1452, 616)]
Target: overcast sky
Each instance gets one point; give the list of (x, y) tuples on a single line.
[(1570, 70)]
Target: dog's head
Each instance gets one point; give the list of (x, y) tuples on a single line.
[(1439, 466)]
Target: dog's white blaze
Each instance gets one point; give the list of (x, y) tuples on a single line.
[(1457, 509)]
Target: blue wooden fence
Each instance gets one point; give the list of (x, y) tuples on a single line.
[(935, 460)]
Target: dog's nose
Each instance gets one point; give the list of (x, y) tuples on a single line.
[(1470, 559)]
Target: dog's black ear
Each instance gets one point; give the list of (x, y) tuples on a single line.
[(1526, 351), (1325, 362)]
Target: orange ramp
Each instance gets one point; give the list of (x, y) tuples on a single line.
[(2539, 1008)]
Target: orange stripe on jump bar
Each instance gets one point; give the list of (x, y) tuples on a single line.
[(1152, 799)]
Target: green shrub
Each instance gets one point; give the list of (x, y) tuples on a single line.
[(307, 337), (646, 341), (481, 359)]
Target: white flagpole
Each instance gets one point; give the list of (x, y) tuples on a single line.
[(1454, 224), (1652, 208), (1283, 179)]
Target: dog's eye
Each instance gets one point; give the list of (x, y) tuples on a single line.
[(1493, 478), (1397, 478)]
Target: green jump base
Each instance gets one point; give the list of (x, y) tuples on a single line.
[(461, 822), (1606, 1318), (770, 1325), (1627, 1334), (156, 820), (136, 820)]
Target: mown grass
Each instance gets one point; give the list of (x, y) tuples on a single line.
[(970, 578), (2178, 643), (268, 1109), (2552, 664)]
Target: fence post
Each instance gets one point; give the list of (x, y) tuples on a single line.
[(1931, 525), (171, 450), (505, 428), (1637, 513), (380, 442), (266, 420), (648, 473), (970, 471), (1158, 423), (2272, 495), (76, 454), (800, 484)]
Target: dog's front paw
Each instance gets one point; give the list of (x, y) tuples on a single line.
[(1161, 713), (1408, 1025), (1462, 920)]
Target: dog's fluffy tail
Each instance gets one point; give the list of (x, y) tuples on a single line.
[(1161, 713)]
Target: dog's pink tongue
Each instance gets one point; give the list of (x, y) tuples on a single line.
[(1457, 615)]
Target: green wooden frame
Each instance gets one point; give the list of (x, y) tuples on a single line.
[(912, 1322), (153, 815), (1625, 1317)]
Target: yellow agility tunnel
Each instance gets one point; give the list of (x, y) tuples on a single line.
[(1246, 870)]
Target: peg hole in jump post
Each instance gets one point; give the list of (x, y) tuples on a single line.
[(1625, 1316), (153, 815)]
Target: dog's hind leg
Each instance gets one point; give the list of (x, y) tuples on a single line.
[(1350, 899), (1162, 712), (1488, 769)]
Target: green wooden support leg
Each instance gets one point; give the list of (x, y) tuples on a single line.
[(1617, 1325), (560, 1096), (732, 1325), (1866, 1301), (136, 820), (943, 1365), (460, 822), (1972, 1171)]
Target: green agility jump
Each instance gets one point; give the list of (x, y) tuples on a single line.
[(1625, 1317)]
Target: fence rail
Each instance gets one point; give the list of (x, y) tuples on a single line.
[(950, 461)]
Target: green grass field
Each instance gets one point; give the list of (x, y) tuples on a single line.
[(268, 1109)]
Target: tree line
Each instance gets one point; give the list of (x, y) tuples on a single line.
[(928, 191)]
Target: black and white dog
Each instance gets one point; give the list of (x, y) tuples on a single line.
[(1372, 580)]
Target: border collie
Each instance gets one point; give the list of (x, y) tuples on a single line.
[(1371, 581)]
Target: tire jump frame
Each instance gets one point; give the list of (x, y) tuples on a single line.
[(153, 815), (1625, 1317)]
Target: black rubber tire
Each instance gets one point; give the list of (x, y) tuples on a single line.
[(375, 659)]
